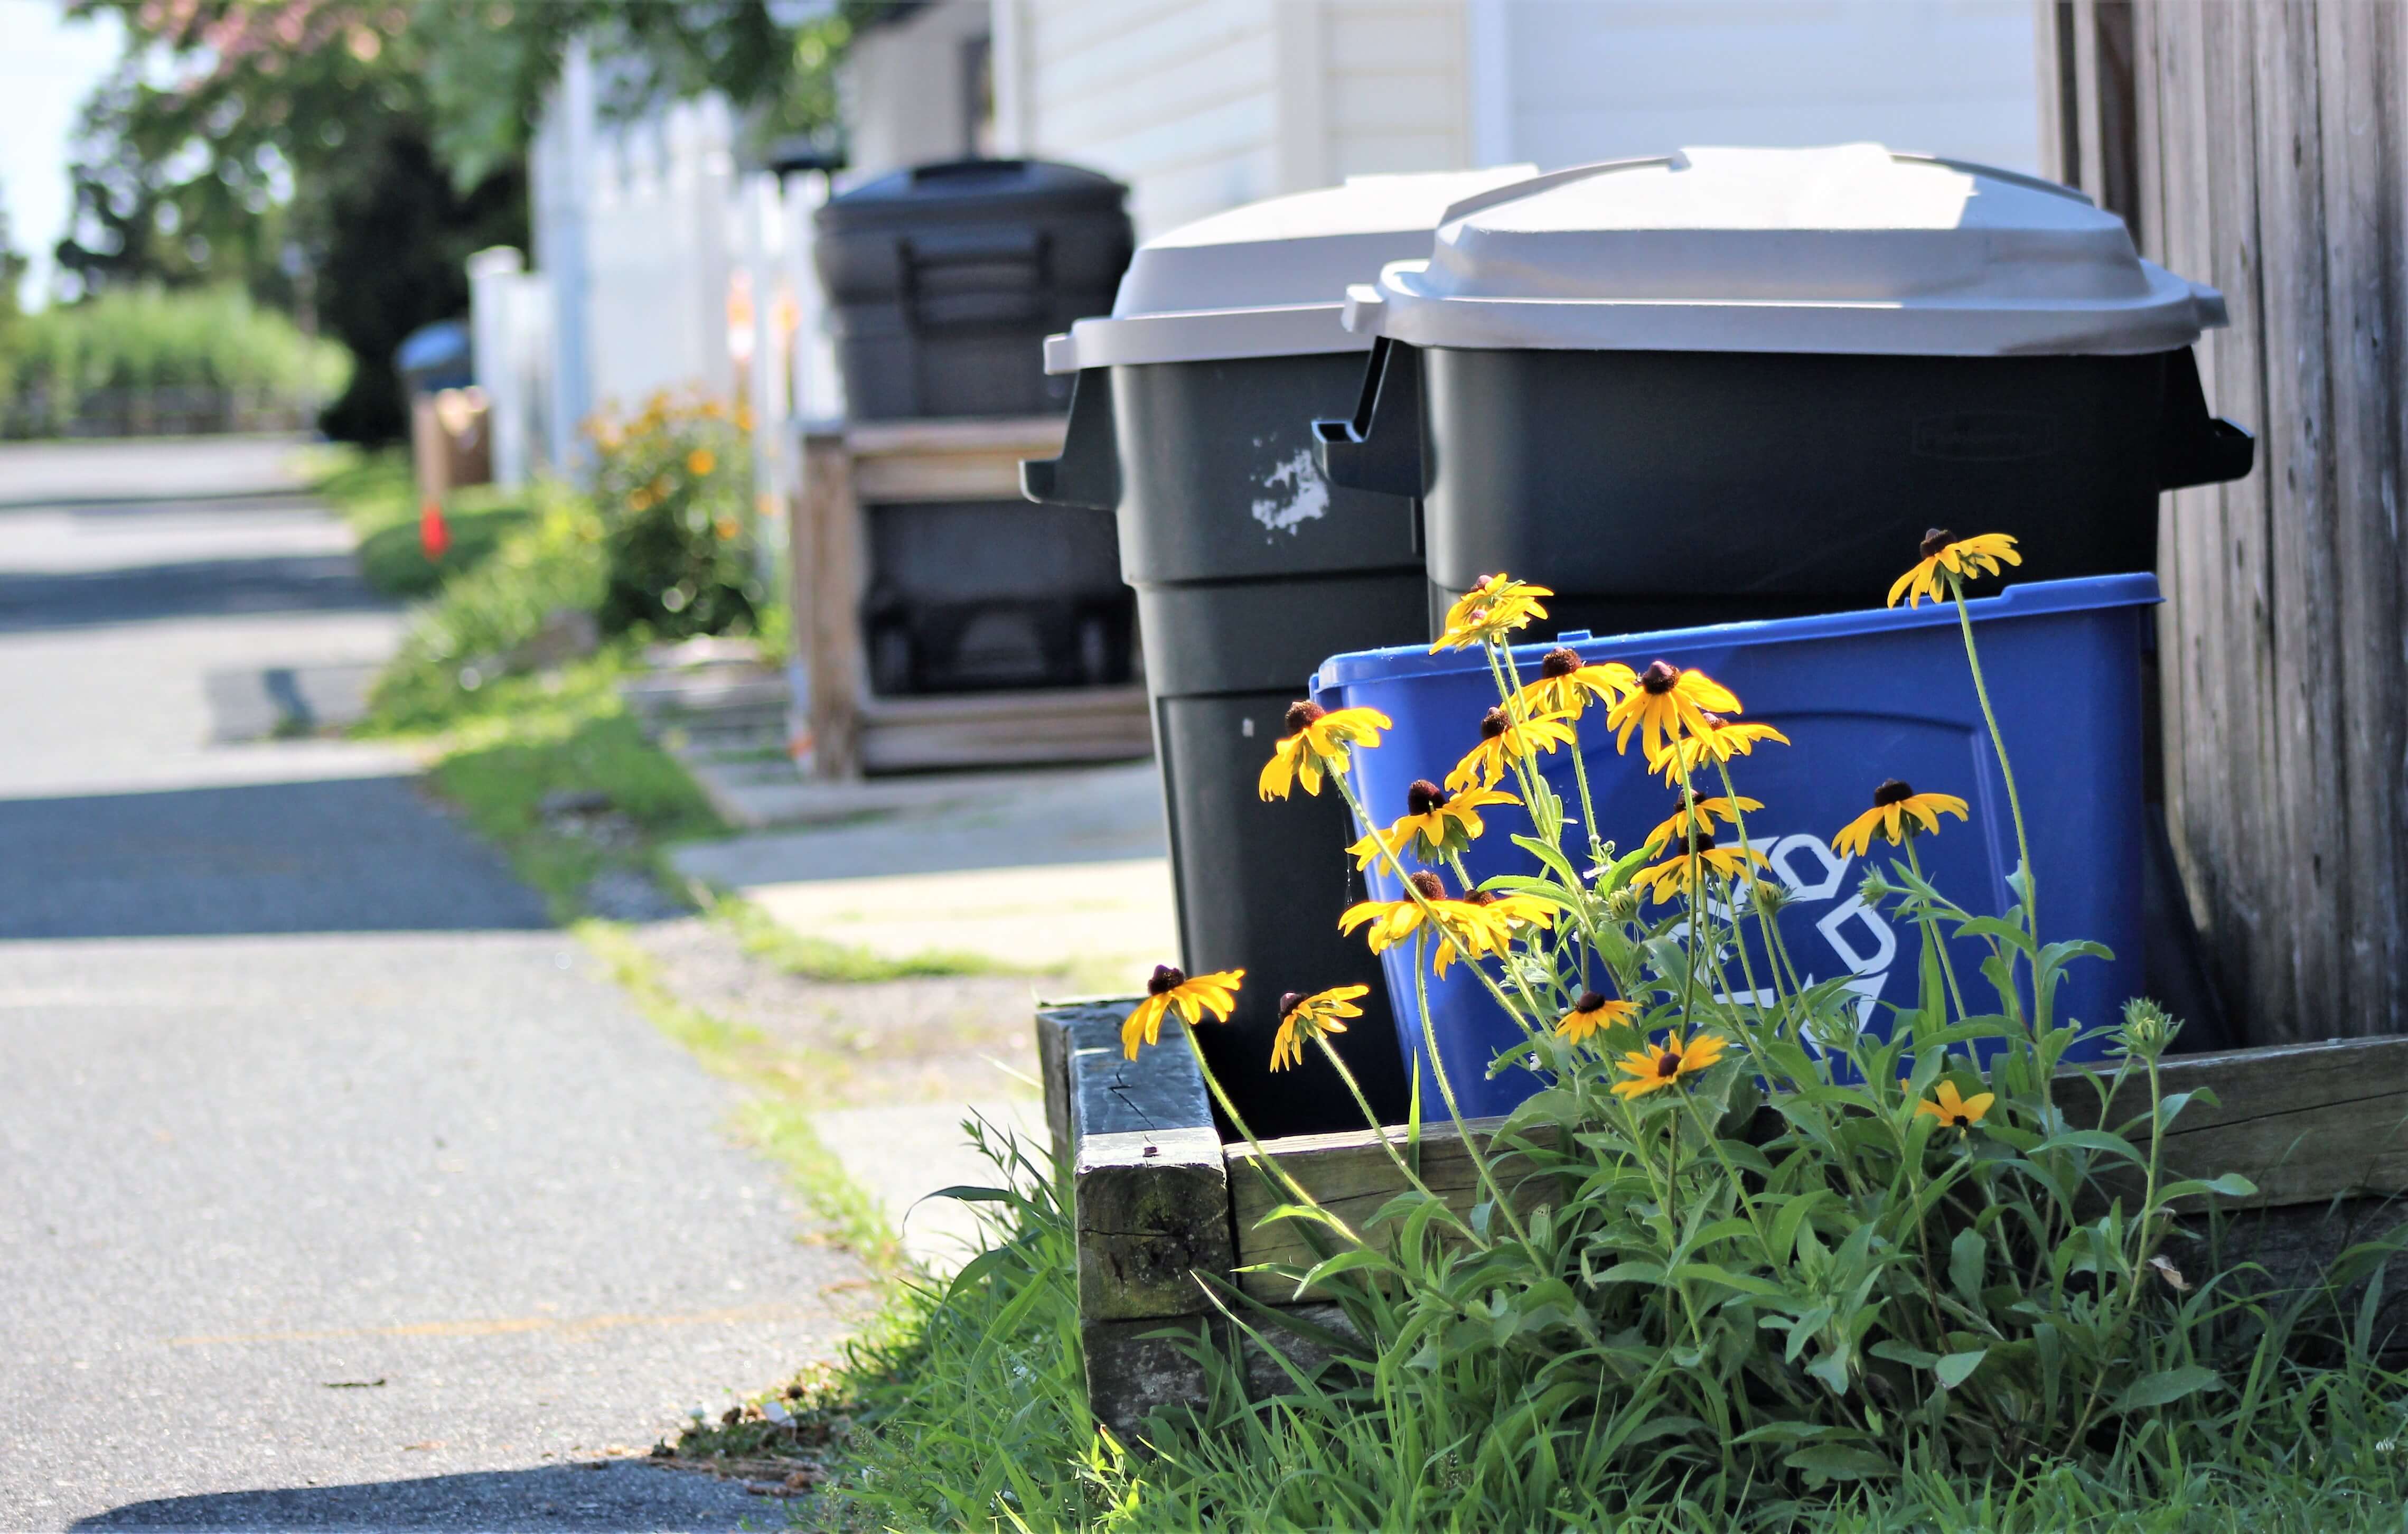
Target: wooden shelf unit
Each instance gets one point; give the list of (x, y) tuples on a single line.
[(847, 469)]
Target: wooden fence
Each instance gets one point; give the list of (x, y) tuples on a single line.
[(2259, 145)]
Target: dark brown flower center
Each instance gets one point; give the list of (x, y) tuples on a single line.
[(1958, 1121), (1937, 539), (1701, 837), (1892, 791), (1165, 978), (1714, 721), (1427, 883), (1667, 1064), (1590, 1001), (1481, 898), (1493, 723), (1301, 713), (1421, 796), (1559, 663), (1288, 1000), (1659, 677)]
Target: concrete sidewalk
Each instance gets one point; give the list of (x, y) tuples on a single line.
[(1058, 876)]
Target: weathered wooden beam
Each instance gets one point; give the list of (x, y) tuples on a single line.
[(1350, 1175), (2307, 1123), (1149, 1194)]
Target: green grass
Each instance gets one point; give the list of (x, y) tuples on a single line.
[(520, 739), (374, 493)]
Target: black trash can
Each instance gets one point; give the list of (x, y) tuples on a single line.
[(945, 279), (1741, 383), (1192, 421)]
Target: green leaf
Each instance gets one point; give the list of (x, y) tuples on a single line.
[(1838, 1462), (1898, 1352), (2166, 1387), (969, 1195), (1968, 1258), (1956, 1367)]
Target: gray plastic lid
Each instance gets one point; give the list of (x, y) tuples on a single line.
[(1850, 249), (1269, 279)]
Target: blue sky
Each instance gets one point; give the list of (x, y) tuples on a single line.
[(47, 66)]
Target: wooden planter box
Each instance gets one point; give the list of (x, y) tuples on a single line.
[(2322, 1130)]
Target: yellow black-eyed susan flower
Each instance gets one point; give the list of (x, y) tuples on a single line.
[(1565, 684), (1436, 824), (1592, 1013), (1963, 558), (1490, 610), (1317, 740), (700, 462), (1700, 812), (1667, 704), (1303, 1017), (1191, 998), (1505, 740), (1896, 811), (1667, 1063), (1472, 927), (1686, 870), (1953, 1112), (1719, 741)]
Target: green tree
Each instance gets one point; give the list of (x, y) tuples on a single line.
[(346, 155)]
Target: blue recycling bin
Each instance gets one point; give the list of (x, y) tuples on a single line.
[(1863, 696)]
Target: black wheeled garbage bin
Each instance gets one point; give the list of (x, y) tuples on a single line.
[(1192, 421), (943, 282), (1740, 383)]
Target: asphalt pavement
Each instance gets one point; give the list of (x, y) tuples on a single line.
[(337, 1189)]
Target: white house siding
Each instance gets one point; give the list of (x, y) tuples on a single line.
[(906, 94), (1595, 80), (1397, 91), (1179, 98)]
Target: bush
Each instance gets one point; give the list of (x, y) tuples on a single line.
[(674, 488), (464, 637), (92, 358)]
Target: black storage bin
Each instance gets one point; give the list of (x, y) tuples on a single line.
[(966, 596), (1191, 419), (945, 279), (1744, 384)]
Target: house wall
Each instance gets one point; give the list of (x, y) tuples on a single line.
[(1201, 104), (908, 95), (1589, 79)]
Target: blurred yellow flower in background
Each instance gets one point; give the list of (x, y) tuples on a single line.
[(1952, 1111), (700, 462), (1593, 1014), (1664, 1065)]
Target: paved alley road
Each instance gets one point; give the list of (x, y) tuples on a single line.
[(336, 1190)]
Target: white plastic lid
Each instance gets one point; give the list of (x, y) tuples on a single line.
[(1269, 279), (1850, 249)]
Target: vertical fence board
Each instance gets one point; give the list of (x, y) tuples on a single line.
[(2269, 137)]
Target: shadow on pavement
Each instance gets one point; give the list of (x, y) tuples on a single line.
[(608, 1496), (195, 589), (359, 854)]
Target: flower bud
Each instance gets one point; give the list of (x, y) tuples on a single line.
[(1622, 905), (2148, 1028)]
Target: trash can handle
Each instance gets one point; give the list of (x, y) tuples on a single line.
[(1380, 449), (2193, 447), (1088, 473)]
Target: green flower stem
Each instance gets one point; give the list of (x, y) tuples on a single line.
[(1446, 1092), (1380, 1133), (1262, 1157), (2006, 769), (1931, 929), (2150, 1230)]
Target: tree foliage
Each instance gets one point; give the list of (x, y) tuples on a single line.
[(342, 157)]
